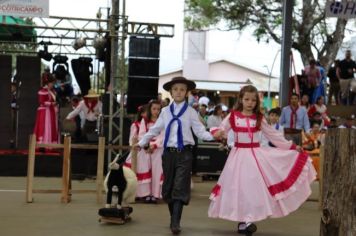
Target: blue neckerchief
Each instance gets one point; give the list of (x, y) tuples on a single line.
[(277, 126), (180, 131)]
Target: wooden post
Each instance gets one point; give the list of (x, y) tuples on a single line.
[(30, 168), (66, 170), (100, 170), (339, 184)]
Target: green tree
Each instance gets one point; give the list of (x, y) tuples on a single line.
[(313, 34)]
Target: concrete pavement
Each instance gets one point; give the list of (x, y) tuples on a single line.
[(47, 216)]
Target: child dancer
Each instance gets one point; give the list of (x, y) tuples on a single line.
[(178, 119), (149, 162), (131, 160), (273, 120), (258, 182)]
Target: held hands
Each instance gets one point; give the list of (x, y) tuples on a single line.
[(299, 148), (150, 148), (136, 147), (219, 135)]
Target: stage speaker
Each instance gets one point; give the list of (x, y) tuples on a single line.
[(209, 159), (140, 91), (144, 47), (28, 71), (5, 108), (143, 72), (144, 67)]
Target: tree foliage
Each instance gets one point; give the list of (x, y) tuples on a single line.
[(313, 34)]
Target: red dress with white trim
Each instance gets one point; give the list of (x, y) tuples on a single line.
[(149, 165), (46, 126), (259, 182)]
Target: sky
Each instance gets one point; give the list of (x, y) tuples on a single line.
[(232, 46)]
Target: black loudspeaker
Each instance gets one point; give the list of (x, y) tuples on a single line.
[(144, 47), (140, 92), (143, 73), (138, 87), (209, 159), (144, 67), (5, 108), (29, 73)]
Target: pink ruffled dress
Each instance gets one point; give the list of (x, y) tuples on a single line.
[(260, 182)]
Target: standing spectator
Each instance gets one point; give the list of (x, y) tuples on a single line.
[(204, 100), (320, 107), (215, 119), (304, 102), (203, 114), (211, 107), (46, 126), (348, 123), (334, 88), (225, 111), (295, 119), (313, 78), (320, 89), (345, 73)]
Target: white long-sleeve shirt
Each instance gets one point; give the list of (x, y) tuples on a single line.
[(190, 121), (91, 116)]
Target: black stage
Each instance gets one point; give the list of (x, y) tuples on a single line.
[(209, 160)]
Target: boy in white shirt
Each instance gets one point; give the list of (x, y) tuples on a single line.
[(179, 120)]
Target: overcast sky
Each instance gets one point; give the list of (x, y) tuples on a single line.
[(221, 45)]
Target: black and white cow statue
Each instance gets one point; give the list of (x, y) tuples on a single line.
[(120, 182)]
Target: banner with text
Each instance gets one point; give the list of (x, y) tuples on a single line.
[(341, 9), (25, 8)]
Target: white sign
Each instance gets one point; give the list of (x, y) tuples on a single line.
[(25, 8), (341, 9)]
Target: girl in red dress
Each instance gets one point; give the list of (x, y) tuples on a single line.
[(46, 126)]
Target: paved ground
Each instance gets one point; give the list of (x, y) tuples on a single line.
[(47, 216)]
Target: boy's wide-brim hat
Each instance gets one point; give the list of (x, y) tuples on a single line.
[(181, 80), (92, 94)]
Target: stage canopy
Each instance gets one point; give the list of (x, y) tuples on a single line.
[(9, 31)]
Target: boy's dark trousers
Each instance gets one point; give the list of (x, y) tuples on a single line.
[(177, 167)]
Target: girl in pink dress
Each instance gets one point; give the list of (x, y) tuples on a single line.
[(133, 137), (258, 182), (149, 160), (46, 126)]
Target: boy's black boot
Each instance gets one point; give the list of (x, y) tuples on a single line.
[(170, 207), (176, 216)]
